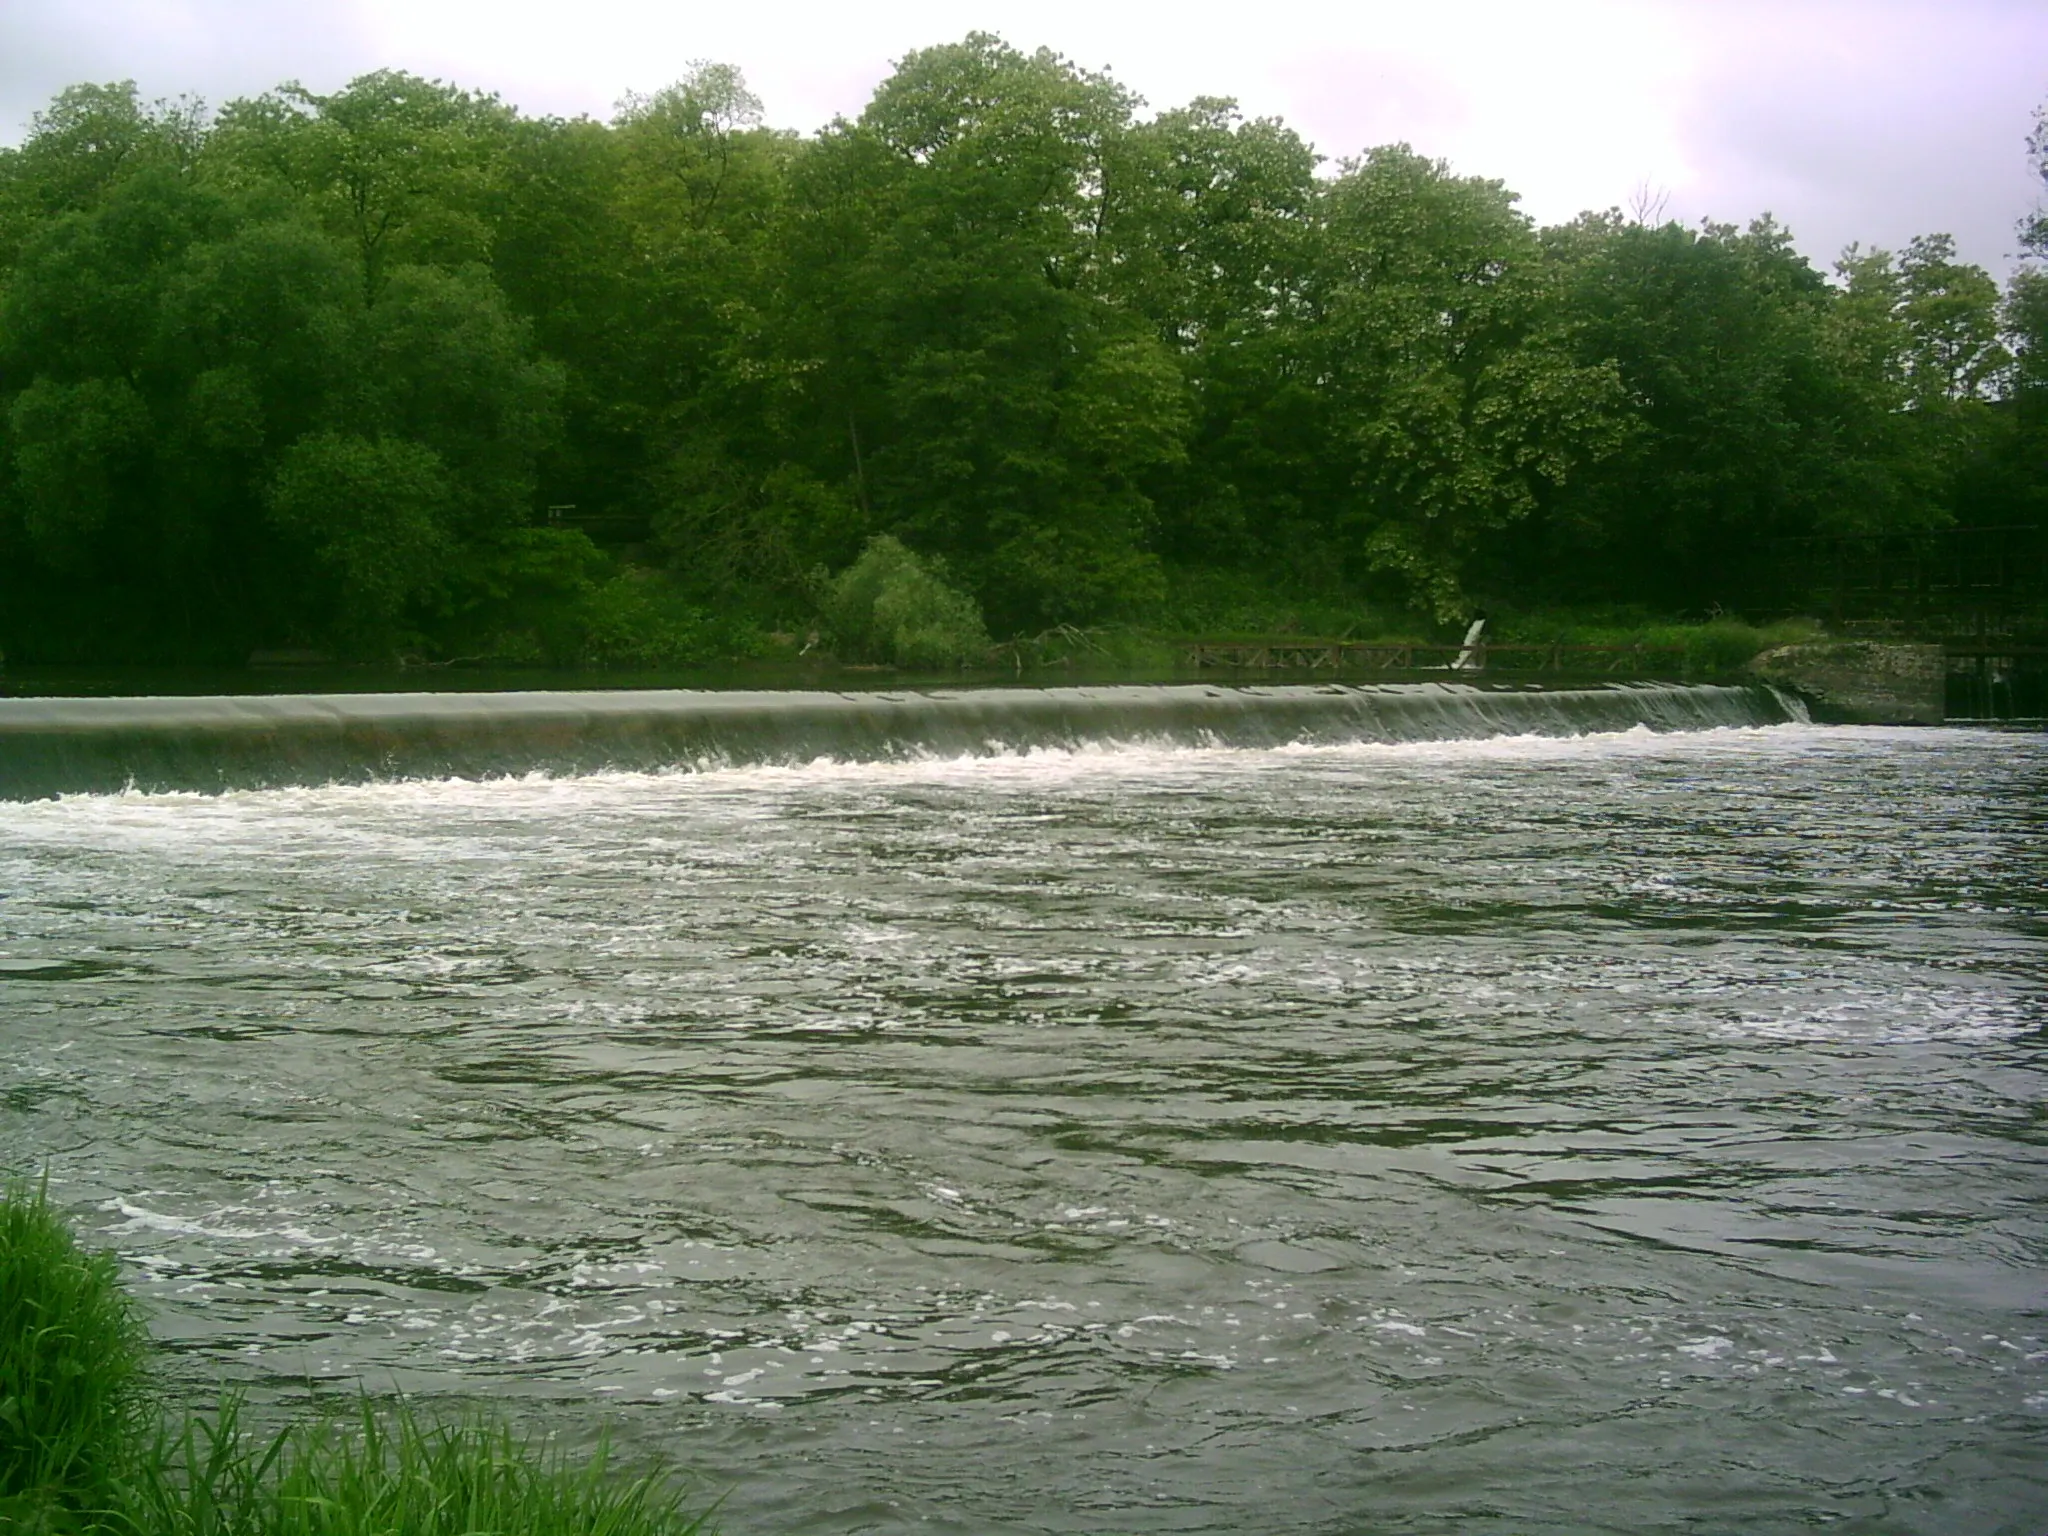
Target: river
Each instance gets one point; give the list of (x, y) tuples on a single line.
[(1635, 1132)]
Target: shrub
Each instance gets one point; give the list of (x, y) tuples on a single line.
[(637, 619), (73, 1368), (891, 606), (1726, 646)]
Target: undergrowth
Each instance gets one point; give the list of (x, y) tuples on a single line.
[(90, 1446)]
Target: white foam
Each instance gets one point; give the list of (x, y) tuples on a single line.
[(1710, 1348), (138, 814)]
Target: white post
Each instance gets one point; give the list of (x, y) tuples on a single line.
[(1464, 662)]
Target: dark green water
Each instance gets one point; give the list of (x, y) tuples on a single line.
[(1633, 1133)]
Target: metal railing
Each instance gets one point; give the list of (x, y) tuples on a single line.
[(1923, 577)]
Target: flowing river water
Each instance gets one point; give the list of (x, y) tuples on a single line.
[(1636, 1132)]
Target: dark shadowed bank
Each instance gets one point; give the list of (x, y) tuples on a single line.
[(93, 1440)]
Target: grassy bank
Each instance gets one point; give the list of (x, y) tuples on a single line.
[(1199, 609), (92, 1442), (1710, 649)]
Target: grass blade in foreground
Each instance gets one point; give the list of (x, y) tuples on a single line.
[(74, 1359), (390, 1470)]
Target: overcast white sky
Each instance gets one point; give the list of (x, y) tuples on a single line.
[(1870, 120)]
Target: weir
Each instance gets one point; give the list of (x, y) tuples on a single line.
[(70, 745)]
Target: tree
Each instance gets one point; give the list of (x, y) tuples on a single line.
[(310, 369), (941, 277), (1754, 422), (695, 148), (1921, 353), (440, 360), (373, 514), (86, 142), (2034, 227), (164, 354), (83, 400), (1206, 221), (73, 445), (1418, 396), (1948, 312), (2006, 479), (396, 164), (1462, 398), (2026, 308)]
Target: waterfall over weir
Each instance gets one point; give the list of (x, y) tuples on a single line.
[(60, 746)]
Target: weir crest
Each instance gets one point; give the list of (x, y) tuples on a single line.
[(76, 745)]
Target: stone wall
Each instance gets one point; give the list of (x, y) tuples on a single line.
[(1862, 682)]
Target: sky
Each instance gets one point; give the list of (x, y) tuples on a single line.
[(1849, 120)]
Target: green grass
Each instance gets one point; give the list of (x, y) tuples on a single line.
[(89, 1443), (1222, 607), (386, 1471), (74, 1368), (1716, 647)]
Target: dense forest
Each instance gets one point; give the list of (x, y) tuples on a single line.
[(402, 371)]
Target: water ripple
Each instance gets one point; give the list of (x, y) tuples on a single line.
[(1450, 1137)]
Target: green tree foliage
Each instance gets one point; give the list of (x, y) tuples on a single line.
[(1452, 385), (1718, 337), (316, 371), (891, 606), (440, 359), (2006, 480), (1205, 222), (956, 359), (87, 141), (73, 444), (396, 165), (1765, 403), (190, 361), (373, 514)]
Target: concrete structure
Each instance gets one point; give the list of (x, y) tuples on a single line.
[(1862, 682)]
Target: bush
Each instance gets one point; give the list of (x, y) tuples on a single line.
[(637, 619), (73, 1368), (890, 606), (520, 596)]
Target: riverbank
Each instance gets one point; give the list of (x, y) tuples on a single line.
[(1107, 655), (92, 1439)]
